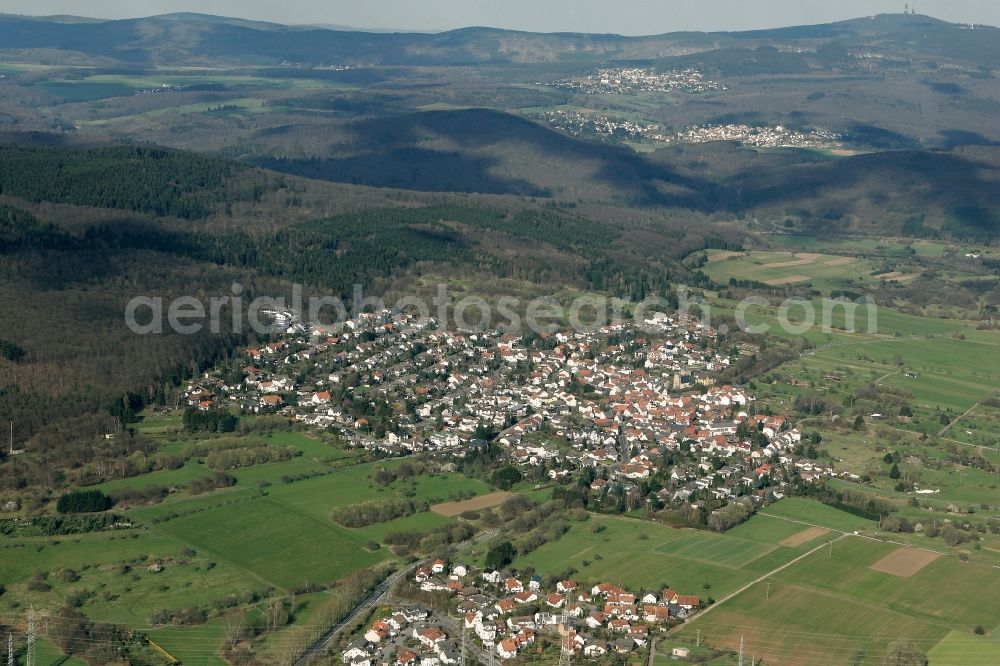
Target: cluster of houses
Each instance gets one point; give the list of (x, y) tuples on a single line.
[(758, 137), (408, 636), (162, 88), (619, 401), (502, 614), (634, 80), (593, 124)]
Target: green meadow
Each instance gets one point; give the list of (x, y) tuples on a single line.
[(828, 324), (111, 577), (945, 380), (832, 608), (267, 532), (727, 552), (18, 67), (47, 654), (279, 531), (908, 366), (853, 264), (796, 625), (317, 456), (277, 544), (893, 247), (646, 555), (192, 645), (244, 105), (951, 373), (824, 272), (639, 555), (318, 496), (97, 86), (83, 91), (805, 512), (960, 648), (945, 591)]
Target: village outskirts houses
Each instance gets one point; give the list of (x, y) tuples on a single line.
[(631, 416), (592, 620)]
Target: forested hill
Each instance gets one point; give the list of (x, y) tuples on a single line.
[(931, 194), (923, 193), (489, 151), (148, 180), (200, 39)]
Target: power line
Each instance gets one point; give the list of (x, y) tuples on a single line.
[(565, 653), (874, 651), (31, 637)]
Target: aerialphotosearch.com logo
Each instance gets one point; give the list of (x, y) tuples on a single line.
[(755, 314)]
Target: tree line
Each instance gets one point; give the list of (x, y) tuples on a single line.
[(249, 456), (369, 513)]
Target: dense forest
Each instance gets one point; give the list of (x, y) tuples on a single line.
[(150, 180)]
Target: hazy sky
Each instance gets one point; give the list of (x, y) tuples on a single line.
[(621, 16)]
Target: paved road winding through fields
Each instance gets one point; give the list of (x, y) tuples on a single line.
[(377, 596)]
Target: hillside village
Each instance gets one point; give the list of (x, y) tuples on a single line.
[(501, 614), (635, 416), (597, 125), (759, 137), (634, 80)]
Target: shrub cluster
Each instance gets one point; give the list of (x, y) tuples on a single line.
[(369, 513)]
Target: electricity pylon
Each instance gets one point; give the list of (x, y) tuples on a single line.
[(31, 637)]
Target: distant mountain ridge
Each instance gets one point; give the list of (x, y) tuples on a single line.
[(353, 28), (188, 38)]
